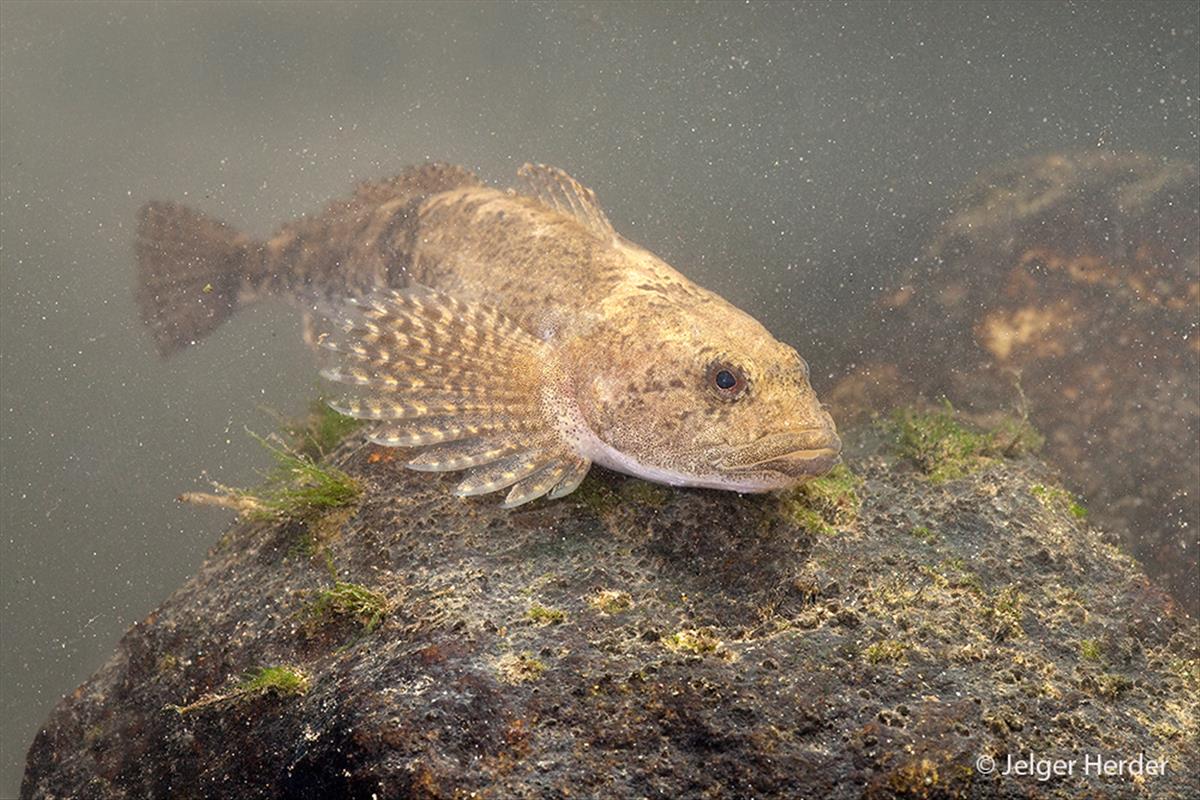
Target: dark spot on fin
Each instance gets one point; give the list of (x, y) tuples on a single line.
[(560, 191)]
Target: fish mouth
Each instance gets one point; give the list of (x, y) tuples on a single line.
[(794, 455), (803, 463)]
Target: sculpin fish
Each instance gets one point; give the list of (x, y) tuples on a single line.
[(510, 333)]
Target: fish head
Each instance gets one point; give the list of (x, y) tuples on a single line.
[(705, 396)]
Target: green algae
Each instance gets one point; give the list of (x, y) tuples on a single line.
[(1002, 613), (697, 641), (1015, 436), (283, 681), (893, 593), (808, 519), (597, 496), (366, 607), (1089, 650), (600, 497), (298, 487), (923, 534), (1186, 669), (304, 546), (280, 681), (945, 449), (541, 615), (645, 494), (611, 601), (867, 622), (952, 573), (167, 663), (315, 434), (923, 777), (886, 651), (516, 668), (1053, 497), (823, 505)]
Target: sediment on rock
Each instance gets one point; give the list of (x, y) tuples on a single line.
[(871, 637), (1068, 286)]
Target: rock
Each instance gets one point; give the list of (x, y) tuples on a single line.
[(636, 641), (1077, 277)]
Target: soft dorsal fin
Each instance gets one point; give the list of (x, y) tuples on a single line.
[(563, 193)]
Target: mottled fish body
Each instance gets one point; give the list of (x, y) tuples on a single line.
[(513, 334)]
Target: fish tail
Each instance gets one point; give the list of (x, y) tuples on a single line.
[(193, 271)]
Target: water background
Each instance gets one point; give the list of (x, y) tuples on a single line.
[(759, 148)]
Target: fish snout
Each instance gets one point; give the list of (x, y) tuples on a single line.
[(817, 437), (795, 454), (813, 452)]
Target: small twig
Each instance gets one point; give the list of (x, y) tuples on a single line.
[(1022, 412), (241, 503)]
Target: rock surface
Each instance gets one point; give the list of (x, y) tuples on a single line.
[(635, 641), (1078, 277)]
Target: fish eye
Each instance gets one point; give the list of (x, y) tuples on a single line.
[(727, 380)]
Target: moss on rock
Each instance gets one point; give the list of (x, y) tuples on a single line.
[(757, 659), (364, 606), (946, 448), (825, 504)]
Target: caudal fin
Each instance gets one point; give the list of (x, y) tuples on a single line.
[(192, 269)]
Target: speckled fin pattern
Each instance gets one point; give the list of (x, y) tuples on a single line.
[(460, 382), (560, 191)]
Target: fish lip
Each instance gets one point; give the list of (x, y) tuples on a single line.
[(808, 452), (796, 464), (804, 463)]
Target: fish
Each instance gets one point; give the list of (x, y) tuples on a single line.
[(507, 333)]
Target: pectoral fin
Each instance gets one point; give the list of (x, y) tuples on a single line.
[(460, 380)]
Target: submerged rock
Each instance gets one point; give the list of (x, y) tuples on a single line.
[(871, 637), (1077, 278)]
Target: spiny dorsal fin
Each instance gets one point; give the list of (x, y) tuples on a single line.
[(561, 192)]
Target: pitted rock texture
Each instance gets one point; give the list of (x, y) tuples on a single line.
[(1077, 278), (637, 641)]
